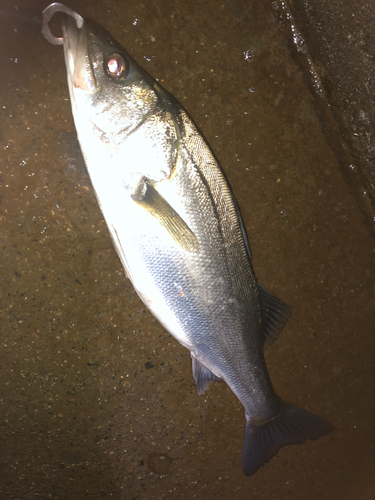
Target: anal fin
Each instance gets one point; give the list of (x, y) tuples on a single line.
[(202, 375)]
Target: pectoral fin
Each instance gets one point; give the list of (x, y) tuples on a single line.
[(150, 200)]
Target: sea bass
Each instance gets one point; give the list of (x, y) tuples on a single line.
[(177, 229)]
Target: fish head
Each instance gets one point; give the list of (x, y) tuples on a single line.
[(129, 128), (109, 91)]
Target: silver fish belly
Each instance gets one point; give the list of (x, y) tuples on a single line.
[(176, 227)]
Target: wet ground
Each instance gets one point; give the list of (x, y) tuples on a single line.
[(96, 399)]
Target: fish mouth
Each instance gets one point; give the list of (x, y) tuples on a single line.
[(77, 56), (75, 40)]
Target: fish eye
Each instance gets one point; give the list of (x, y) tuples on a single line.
[(116, 66)]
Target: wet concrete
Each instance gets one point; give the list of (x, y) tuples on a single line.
[(97, 400), (338, 39)]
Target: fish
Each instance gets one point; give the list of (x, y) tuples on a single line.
[(177, 229)]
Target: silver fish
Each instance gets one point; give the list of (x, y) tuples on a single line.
[(176, 227)]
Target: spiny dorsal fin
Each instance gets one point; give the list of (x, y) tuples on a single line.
[(275, 315)]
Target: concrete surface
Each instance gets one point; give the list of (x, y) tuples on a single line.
[(96, 399), (339, 39)]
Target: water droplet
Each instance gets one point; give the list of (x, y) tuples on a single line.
[(248, 55)]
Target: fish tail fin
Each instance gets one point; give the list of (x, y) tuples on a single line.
[(291, 425)]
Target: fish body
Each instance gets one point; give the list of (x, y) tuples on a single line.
[(176, 227)]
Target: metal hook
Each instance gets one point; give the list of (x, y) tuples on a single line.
[(49, 12)]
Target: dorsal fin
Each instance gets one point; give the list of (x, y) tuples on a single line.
[(243, 229), (275, 315)]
